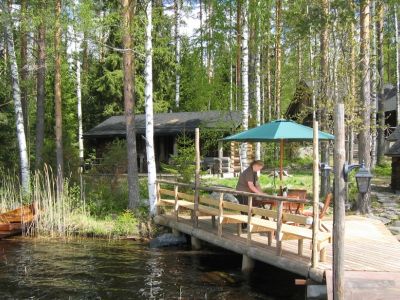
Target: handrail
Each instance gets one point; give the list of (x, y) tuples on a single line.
[(233, 191)]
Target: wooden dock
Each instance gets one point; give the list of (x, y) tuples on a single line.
[(372, 253)]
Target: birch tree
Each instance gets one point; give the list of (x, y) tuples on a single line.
[(151, 163), (364, 134), (78, 41), (245, 81), (24, 67), (177, 9), (16, 92), (129, 103)]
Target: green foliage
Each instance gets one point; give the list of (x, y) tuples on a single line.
[(183, 163), (383, 170), (125, 223)]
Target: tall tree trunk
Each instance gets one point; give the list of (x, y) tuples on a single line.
[(57, 97), (323, 97), (269, 88), (151, 162), (258, 98), (278, 58), (230, 58), (381, 109), (201, 31), (129, 103), (245, 81), (24, 69), (41, 92), (177, 9), (373, 86), (396, 23), (364, 135), (79, 97), (19, 118), (352, 87), (238, 51)]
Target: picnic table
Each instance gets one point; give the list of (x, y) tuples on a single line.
[(290, 207)]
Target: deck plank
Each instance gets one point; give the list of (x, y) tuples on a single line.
[(369, 246)]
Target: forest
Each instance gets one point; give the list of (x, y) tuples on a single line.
[(68, 65)]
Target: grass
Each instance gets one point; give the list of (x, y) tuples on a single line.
[(299, 180)]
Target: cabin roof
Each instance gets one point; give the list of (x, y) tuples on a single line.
[(394, 150), (169, 123)]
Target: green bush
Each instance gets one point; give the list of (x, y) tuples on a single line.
[(383, 170), (183, 163)]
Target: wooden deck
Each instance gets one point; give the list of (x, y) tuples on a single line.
[(369, 246)]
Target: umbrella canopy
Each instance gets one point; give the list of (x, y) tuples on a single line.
[(278, 130)]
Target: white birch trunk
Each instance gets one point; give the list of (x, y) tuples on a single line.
[(396, 24), (245, 83), (19, 118), (373, 87), (177, 52), (79, 92), (258, 100), (151, 162)]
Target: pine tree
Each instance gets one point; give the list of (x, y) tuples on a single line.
[(129, 103)]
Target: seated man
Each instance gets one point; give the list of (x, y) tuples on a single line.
[(248, 182)]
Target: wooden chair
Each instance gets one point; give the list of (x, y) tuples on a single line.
[(324, 210)]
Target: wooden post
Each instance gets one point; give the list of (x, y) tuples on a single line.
[(339, 207), (315, 226), (249, 225), (278, 236), (158, 210), (220, 155), (176, 203), (197, 178), (220, 213), (220, 150)]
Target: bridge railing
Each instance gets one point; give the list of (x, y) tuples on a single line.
[(228, 212)]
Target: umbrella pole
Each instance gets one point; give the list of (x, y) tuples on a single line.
[(281, 163)]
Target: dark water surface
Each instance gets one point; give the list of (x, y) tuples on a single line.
[(101, 269)]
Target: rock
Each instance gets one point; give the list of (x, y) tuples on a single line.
[(396, 224), (398, 237), (394, 230), (382, 219), (166, 240), (389, 204), (227, 197)]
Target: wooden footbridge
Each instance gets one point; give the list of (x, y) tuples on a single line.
[(284, 239)]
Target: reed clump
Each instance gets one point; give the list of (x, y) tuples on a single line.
[(62, 212)]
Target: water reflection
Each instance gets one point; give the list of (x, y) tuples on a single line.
[(98, 269)]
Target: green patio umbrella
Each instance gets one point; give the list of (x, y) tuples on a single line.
[(279, 130)]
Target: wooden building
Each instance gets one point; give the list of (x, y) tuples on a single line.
[(167, 128), (394, 153)]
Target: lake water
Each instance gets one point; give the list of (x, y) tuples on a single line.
[(102, 269)]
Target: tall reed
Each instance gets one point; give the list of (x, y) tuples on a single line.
[(55, 212)]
